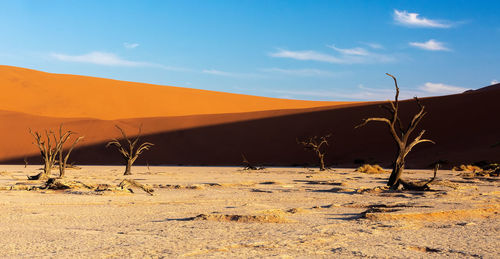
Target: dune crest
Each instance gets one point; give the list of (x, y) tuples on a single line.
[(58, 95)]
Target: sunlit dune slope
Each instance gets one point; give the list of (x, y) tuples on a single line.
[(58, 95), (463, 126)]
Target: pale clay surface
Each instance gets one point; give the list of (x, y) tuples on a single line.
[(459, 220)]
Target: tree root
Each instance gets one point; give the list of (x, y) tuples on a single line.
[(415, 186), (40, 176), (58, 184)]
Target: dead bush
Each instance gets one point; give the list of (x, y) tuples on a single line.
[(371, 169)]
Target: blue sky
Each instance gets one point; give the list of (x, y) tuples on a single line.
[(314, 50)]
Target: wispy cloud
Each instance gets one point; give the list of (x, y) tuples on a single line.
[(414, 20), (441, 89), (427, 89), (354, 51), (355, 55), (305, 72), (494, 82), (431, 44), (130, 45), (217, 72), (362, 93), (109, 59), (361, 55), (98, 58), (230, 74), (306, 55), (373, 45)]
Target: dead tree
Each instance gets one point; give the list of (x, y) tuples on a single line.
[(48, 150), (318, 145), (61, 140), (52, 150), (129, 150), (248, 165), (401, 135)]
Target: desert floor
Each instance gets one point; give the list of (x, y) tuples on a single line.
[(276, 212)]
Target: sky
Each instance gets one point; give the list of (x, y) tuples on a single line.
[(312, 50)]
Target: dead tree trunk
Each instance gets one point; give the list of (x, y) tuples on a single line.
[(128, 168), (131, 151), (63, 160), (60, 140), (398, 168), (321, 162), (318, 145), (400, 134), (48, 152), (47, 168)]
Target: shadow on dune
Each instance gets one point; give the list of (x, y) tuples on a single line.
[(464, 126)]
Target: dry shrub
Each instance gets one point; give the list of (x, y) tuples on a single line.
[(78, 187), (470, 168), (476, 171), (243, 218), (129, 183), (371, 169)]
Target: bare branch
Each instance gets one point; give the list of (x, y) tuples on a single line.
[(71, 149), (373, 119), (132, 153), (142, 147), (397, 90), (315, 143), (401, 139)]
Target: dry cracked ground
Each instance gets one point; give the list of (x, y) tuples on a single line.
[(230, 212)]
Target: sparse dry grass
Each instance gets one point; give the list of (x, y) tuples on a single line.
[(268, 218), (371, 169), (467, 168), (476, 171)]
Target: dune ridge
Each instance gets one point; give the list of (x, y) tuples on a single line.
[(59, 95)]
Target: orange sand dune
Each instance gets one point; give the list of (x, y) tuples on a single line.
[(58, 95), (16, 142), (461, 125)]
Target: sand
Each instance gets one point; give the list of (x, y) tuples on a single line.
[(228, 212), (72, 96)]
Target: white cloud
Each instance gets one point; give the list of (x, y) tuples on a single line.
[(494, 82), (365, 95), (430, 45), (230, 74), (354, 51), (98, 58), (217, 72), (441, 89), (306, 55), (130, 45), (109, 59), (355, 55), (413, 20), (373, 45), (305, 72), (372, 94)]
